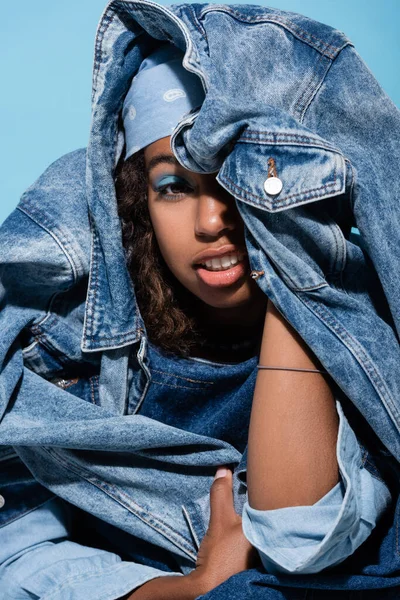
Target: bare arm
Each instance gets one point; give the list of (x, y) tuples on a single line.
[(294, 424)]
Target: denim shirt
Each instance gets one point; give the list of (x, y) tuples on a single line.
[(74, 356)]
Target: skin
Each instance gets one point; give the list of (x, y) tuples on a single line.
[(294, 423), (202, 215)]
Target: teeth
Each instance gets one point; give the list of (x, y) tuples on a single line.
[(215, 263), (223, 263)]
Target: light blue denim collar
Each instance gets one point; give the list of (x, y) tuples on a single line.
[(119, 53)]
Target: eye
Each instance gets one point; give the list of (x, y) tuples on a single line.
[(172, 187)]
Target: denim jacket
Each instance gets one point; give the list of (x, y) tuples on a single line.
[(74, 355)]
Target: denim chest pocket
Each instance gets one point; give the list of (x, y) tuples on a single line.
[(65, 376), (276, 171), (46, 354), (305, 244)]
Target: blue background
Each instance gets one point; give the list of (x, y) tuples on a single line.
[(47, 50)]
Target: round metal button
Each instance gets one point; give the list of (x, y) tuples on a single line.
[(2, 501), (273, 186)]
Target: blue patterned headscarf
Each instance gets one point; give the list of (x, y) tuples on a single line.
[(161, 93)]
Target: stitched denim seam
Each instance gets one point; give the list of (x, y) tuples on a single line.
[(287, 139), (397, 532), (89, 309), (91, 304), (152, 521), (179, 387), (310, 90), (293, 286), (181, 377), (93, 384), (87, 574), (43, 226), (292, 27), (196, 23), (55, 230), (146, 517), (190, 525), (146, 372), (358, 352), (106, 21), (282, 203)]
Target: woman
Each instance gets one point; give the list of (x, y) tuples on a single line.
[(192, 386)]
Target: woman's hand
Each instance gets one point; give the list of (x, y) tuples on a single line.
[(224, 551)]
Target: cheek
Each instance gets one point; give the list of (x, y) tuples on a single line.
[(173, 235)]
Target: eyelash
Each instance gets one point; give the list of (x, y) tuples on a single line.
[(181, 185)]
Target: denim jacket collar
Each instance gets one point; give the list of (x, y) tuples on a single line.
[(119, 51)]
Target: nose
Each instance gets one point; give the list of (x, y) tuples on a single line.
[(216, 214)]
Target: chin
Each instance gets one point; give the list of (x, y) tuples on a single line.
[(226, 300)]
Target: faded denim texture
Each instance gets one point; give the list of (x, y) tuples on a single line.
[(75, 370)]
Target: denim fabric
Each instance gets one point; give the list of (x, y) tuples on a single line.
[(73, 351)]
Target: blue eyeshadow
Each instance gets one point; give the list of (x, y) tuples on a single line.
[(167, 179)]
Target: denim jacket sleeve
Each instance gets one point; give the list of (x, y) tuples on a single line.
[(353, 112), (38, 262), (37, 560), (308, 539)]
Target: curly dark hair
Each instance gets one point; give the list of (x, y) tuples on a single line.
[(165, 305)]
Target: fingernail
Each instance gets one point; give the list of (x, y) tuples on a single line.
[(221, 472)]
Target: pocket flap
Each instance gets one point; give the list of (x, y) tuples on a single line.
[(308, 168)]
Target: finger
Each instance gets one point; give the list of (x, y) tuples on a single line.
[(222, 509)]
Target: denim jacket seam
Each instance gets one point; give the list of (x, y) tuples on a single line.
[(295, 29), (283, 203), (198, 25), (295, 288), (356, 349), (92, 287), (73, 267), (181, 377), (352, 185), (88, 573), (109, 14), (94, 385), (152, 521), (314, 85), (180, 387), (284, 138)]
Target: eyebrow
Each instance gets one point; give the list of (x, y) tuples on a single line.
[(161, 158)]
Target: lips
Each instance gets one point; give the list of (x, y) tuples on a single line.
[(223, 278), (217, 253)]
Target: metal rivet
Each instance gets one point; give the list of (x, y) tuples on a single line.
[(256, 274), (273, 186), (2, 501)]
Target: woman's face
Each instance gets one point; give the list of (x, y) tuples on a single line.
[(199, 231)]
